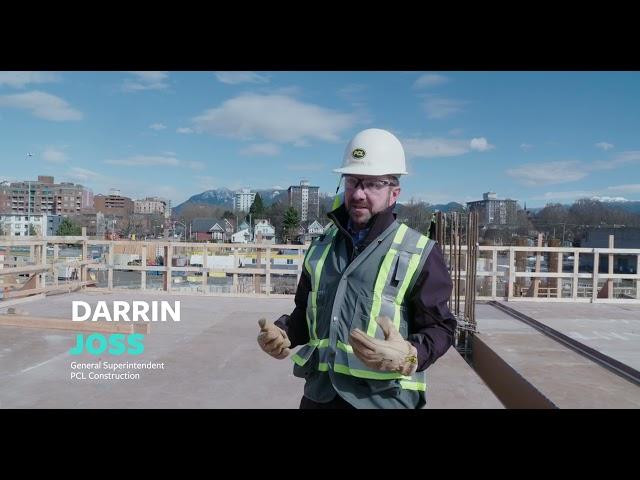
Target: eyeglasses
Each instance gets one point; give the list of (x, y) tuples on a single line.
[(368, 184)]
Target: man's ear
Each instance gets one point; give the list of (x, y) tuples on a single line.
[(393, 195)]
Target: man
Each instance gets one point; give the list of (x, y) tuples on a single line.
[(371, 305)]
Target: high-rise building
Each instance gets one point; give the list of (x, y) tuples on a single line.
[(116, 209), (152, 205), (304, 198), (43, 196), (494, 211), (5, 197), (243, 200)]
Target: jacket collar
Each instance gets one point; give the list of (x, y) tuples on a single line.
[(378, 223)]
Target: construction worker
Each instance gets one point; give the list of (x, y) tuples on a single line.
[(371, 305)]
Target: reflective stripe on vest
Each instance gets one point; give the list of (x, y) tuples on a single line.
[(405, 257), (315, 274), (341, 365), (395, 275)]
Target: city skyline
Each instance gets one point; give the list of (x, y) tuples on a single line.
[(536, 137)]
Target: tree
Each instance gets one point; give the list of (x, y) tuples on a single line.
[(32, 230), (416, 215), (257, 207), (325, 202), (198, 210), (68, 228), (275, 213), (291, 222)]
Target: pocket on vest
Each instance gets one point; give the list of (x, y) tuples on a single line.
[(310, 365)]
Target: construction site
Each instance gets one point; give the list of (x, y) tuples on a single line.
[(537, 326)]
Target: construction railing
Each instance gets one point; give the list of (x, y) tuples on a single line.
[(561, 274)]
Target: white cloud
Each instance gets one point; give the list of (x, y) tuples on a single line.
[(604, 145), (443, 147), (157, 126), (145, 81), (526, 146), (146, 161), (83, 175), (42, 105), (155, 161), (205, 182), (628, 188), (569, 171), (135, 189), (430, 80), (21, 79), (438, 107), (233, 78), (276, 118), (480, 144), (288, 91), (353, 93), (184, 130), (629, 157), (570, 195), (534, 174), (54, 155), (269, 149), (578, 194), (434, 147), (620, 160), (195, 165)]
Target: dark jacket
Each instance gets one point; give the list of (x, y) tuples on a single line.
[(433, 325)]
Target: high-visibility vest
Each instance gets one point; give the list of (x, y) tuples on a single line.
[(345, 296)]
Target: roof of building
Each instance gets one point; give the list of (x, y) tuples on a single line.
[(206, 224)]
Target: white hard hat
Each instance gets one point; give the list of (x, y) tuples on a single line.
[(373, 152)]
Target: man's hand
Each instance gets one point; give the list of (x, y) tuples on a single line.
[(393, 354), (273, 340)]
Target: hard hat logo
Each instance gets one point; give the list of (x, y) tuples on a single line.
[(358, 153)]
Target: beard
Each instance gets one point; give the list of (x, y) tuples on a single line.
[(360, 214)]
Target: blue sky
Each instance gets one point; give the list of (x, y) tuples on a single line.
[(536, 137)]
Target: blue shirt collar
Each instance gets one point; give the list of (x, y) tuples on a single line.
[(359, 236)]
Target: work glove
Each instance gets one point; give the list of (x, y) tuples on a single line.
[(273, 340), (393, 354)]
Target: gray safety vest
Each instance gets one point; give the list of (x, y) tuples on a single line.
[(352, 295)]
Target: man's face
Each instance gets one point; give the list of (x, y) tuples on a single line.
[(366, 195)]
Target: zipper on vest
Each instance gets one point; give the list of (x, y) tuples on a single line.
[(347, 235)]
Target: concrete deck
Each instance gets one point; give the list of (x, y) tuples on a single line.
[(211, 361), (567, 378), (611, 329)]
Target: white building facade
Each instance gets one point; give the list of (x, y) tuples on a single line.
[(243, 200), (17, 225)]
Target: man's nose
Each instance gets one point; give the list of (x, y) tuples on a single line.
[(358, 194)]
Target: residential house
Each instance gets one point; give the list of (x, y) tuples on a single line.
[(211, 229)]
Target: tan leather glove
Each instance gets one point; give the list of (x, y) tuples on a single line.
[(273, 340), (393, 354)]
